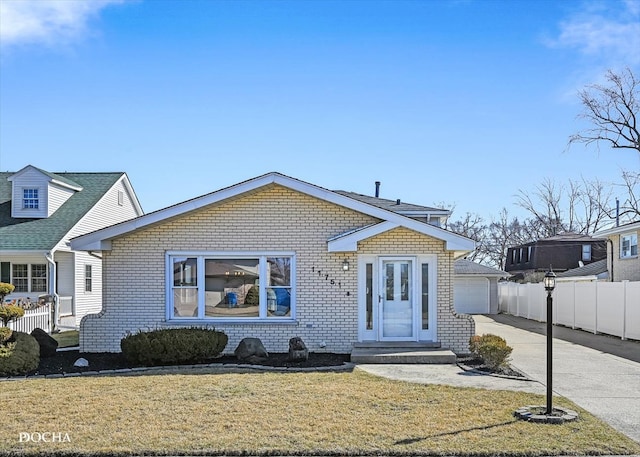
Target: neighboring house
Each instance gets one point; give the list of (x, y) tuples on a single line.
[(475, 287), (623, 262), (596, 271), (561, 252), (274, 257), (39, 214)]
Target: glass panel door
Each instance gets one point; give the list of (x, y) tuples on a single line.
[(396, 304)]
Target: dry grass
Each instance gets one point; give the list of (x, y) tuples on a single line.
[(286, 413)]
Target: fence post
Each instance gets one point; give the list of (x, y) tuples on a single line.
[(624, 309), (595, 326)]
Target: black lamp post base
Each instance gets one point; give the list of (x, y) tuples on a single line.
[(538, 414)]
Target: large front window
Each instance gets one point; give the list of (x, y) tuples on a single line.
[(212, 286), (29, 277), (629, 245)]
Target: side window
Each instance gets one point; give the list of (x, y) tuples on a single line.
[(88, 278)]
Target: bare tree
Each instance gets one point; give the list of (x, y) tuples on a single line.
[(612, 111), (579, 207), (472, 226)]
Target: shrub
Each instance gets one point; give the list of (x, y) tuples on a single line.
[(5, 334), (173, 346), (19, 355), (492, 349), (5, 289), (9, 313)]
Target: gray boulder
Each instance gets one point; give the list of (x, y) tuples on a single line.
[(48, 345), (298, 351), (81, 363), (251, 350)]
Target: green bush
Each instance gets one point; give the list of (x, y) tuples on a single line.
[(173, 346), (19, 355), (492, 349), (5, 334), (9, 313), (5, 289)]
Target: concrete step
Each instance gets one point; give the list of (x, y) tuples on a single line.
[(402, 355)]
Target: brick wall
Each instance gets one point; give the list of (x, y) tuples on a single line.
[(623, 269), (454, 330), (275, 219)]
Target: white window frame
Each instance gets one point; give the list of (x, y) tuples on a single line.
[(586, 253), (633, 241), (201, 256), (88, 278), (30, 278), (32, 201)]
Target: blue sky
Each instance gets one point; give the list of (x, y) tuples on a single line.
[(463, 102)]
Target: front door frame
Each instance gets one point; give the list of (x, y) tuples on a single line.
[(369, 306)]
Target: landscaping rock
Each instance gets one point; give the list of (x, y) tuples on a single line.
[(298, 351), (251, 350), (48, 345), (81, 363)]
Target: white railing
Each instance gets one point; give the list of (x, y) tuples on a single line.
[(599, 307), (33, 318)]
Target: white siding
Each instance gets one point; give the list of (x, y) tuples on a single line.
[(56, 197), (30, 178), (65, 285), (87, 302), (29, 259), (105, 213)]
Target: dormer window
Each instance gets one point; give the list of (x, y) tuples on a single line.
[(30, 199)]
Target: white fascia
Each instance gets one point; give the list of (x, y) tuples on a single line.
[(100, 239)]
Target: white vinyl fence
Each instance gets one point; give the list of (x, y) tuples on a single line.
[(599, 307), (33, 318)]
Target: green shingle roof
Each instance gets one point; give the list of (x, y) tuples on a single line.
[(44, 234)]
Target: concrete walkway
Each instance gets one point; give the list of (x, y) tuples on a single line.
[(597, 372)]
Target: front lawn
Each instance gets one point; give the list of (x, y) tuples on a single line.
[(267, 413)]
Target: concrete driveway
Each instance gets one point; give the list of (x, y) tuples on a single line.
[(597, 372)]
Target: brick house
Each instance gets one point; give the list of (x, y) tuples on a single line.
[(275, 257), (623, 262)]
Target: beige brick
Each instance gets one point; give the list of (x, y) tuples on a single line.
[(274, 219)]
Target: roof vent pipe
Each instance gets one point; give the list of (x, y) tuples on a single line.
[(377, 189), (397, 201)]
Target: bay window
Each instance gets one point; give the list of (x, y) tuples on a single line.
[(220, 286)]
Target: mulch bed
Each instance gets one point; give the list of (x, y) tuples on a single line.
[(471, 363), (63, 362)]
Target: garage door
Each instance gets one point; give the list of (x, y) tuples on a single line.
[(471, 295)]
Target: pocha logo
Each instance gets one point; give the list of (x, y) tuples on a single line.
[(44, 437)]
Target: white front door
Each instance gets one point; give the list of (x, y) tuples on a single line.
[(397, 298), (396, 301)]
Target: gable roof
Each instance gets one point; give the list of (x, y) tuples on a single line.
[(593, 269), (393, 205), (101, 239), (620, 229), (54, 178), (468, 267), (43, 234)]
